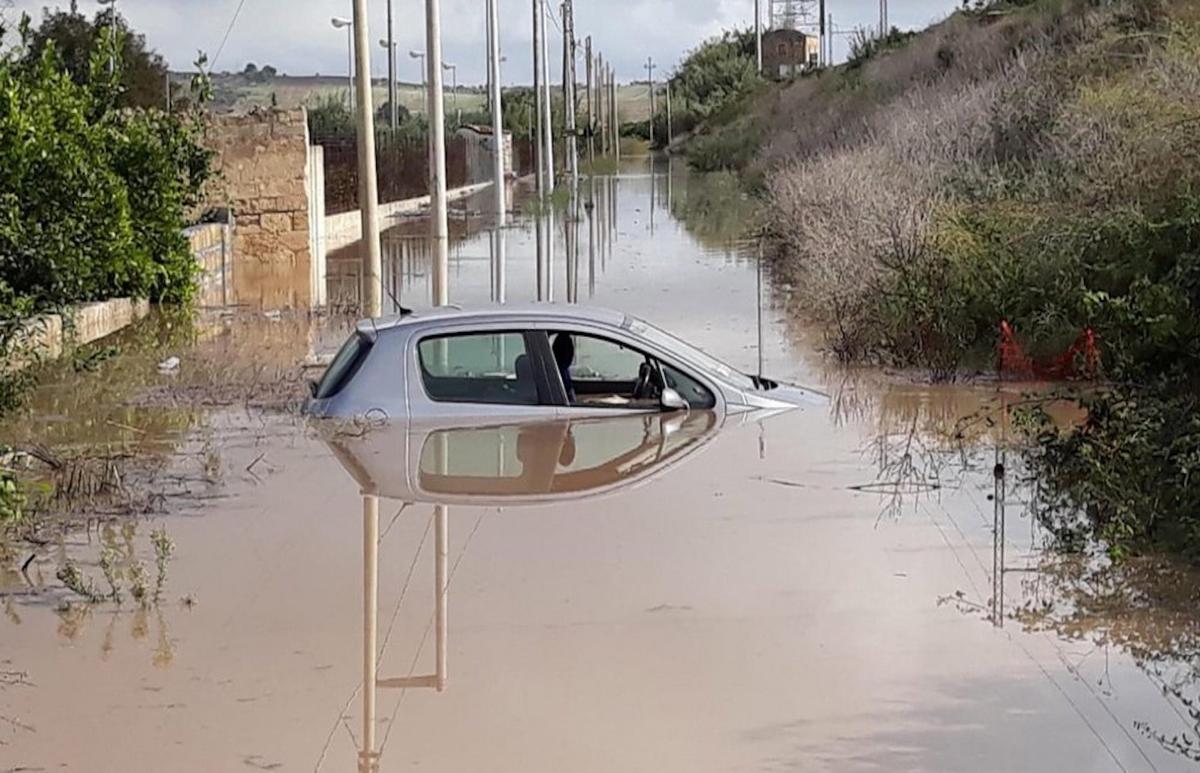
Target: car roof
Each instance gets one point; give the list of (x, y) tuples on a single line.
[(547, 312)]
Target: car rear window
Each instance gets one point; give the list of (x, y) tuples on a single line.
[(347, 362)]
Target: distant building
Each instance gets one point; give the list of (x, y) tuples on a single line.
[(789, 52)]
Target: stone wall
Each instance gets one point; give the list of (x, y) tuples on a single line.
[(262, 158)]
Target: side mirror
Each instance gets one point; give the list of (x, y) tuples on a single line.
[(672, 400)]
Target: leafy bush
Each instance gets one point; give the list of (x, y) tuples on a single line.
[(93, 195)]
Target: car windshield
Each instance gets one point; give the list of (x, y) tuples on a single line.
[(688, 352)]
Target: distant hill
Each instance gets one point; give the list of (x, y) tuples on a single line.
[(237, 91)]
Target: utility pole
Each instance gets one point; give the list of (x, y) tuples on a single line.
[(368, 188), (822, 32), (439, 230), (758, 37), (591, 121), (498, 147), (572, 147), (538, 149), (650, 81), (391, 47)]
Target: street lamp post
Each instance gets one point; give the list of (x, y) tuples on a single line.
[(453, 70), (338, 24), (424, 87), (393, 91)]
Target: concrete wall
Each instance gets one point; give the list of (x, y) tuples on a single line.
[(479, 143), (346, 227), (93, 321), (212, 246), (49, 336), (262, 158)]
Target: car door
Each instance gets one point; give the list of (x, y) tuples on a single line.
[(472, 373), (600, 371)]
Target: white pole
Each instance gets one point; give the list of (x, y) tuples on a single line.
[(368, 188), (591, 118), (571, 150), (650, 82), (547, 112), (616, 115), (758, 37), (438, 228), (393, 92), (498, 146), (350, 63), (670, 128)]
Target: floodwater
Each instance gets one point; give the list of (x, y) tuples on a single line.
[(842, 588)]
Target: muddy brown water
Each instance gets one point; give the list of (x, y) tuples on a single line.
[(821, 590)]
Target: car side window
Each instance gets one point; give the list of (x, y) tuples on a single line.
[(697, 395), (492, 368), (599, 372)]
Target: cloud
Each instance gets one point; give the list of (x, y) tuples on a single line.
[(296, 37)]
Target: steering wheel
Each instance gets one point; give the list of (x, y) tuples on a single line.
[(648, 386)]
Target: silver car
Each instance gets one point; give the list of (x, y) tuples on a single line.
[(531, 362)]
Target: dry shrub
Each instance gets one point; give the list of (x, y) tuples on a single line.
[(966, 110), (843, 220)]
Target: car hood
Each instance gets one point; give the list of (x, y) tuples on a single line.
[(784, 396)]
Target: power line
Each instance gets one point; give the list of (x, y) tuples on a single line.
[(224, 40)]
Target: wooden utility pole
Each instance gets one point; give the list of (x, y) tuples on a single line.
[(591, 121)]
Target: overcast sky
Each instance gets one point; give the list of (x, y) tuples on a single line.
[(296, 37)]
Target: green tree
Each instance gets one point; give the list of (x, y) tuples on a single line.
[(76, 40)]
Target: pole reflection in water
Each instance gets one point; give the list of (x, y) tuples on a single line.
[(543, 462), (367, 758), (368, 755), (653, 194), (591, 217), (550, 252)]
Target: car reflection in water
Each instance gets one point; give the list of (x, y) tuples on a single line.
[(508, 464)]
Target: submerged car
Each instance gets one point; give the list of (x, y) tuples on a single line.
[(533, 362)]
